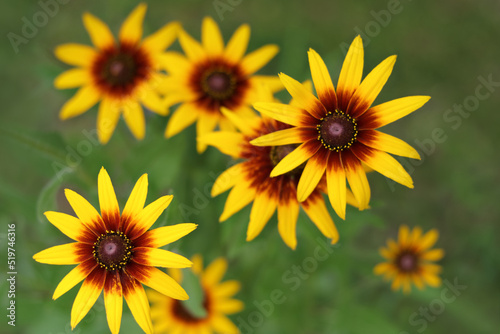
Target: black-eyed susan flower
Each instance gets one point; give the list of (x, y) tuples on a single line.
[(211, 76), (410, 259), (172, 316), (123, 75), (250, 180), (336, 131), (116, 253)]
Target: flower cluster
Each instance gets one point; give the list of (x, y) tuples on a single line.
[(288, 156)]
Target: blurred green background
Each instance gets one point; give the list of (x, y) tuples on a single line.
[(446, 49)]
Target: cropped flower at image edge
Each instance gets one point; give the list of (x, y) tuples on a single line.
[(116, 253)]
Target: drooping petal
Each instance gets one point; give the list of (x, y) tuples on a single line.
[(288, 213), (206, 124), (214, 272), (230, 143), (296, 157), (322, 80), (351, 73), (384, 164), (84, 99), (158, 280), (356, 176), (69, 225), (391, 111), (136, 200), (72, 78), (316, 209), (263, 208), (336, 184), (183, 117), (257, 59), (87, 214), (193, 50), (110, 211), (165, 235), (237, 45), (147, 217), (293, 135), (163, 38), (302, 97), (107, 118), (239, 197), (98, 31), (87, 295), (387, 143), (75, 276), (137, 302), (312, 174), (371, 86), (155, 257), (131, 29), (76, 54), (285, 113), (113, 302), (211, 37), (134, 117)]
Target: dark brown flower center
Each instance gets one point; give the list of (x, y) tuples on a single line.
[(337, 131), (182, 313), (219, 84), (407, 261), (112, 250)]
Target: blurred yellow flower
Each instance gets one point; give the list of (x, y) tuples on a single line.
[(211, 76), (172, 316), (122, 75), (116, 253), (409, 259)]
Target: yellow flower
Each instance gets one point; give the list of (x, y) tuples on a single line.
[(172, 316), (122, 75), (213, 76), (336, 130), (250, 179), (408, 260), (116, 253)]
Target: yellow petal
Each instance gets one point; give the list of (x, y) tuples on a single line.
[(302, 97), (131, 29), (164, 284), (110, 211), (293, 135), (137, 198), (74, 277), (239, 197), (206, 123), (230, 143), (282, 112), (387, 143), (107, 118), (237, 45), (246, 125), (113, 302), (287, 221), (371, 86), (351, 72), (134, 117), (226, 289), (75, 77), (163, 38), (336, 185), (87, 296), (359, 184), (211, 37), (316, 209), (263, 208), (321, 77), (69, 225), (296, 158), (227, 179), (194, 51), (84, 99), (76, 54), (257, 59), (165, 235), (311, 175), (62, 254), (197, 267), (222, 324), (155, 257), (229, 306), (99, 32), (174, 62), (214, 272), (183, 117), (137, 302), (432, 280), (148, 216), (271, 82), (151, 100), (429, 239), (87, 214), (382, 268), (403, 235), (433, 255)]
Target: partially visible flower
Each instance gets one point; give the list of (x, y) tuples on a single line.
[(211, 76), (173, 316), (250, 180), (335, 132), (122, 75), (116, 253), (410, 259)]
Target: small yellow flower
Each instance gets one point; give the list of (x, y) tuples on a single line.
[(211, 76), (122, 75), (171, 316), (409, 259), (116, 253), (336, 131)]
